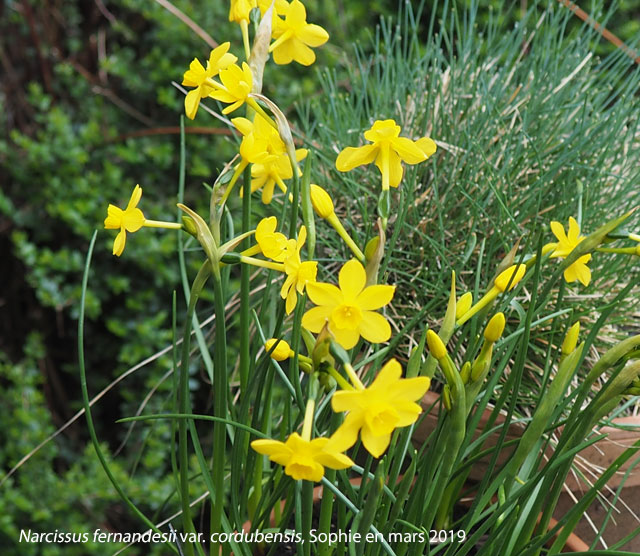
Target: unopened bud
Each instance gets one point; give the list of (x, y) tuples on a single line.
[(495, 328), (446, 397), (371, 247), (464, 304), (571, 339), (282, 350), (189, 226), (321, 201), (436, 346), (511, 275), (465, 372)]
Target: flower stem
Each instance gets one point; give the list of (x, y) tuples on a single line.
[(353, 377), (244, 25), (254, 104), (264, 264), (160, 224), (338, 227)]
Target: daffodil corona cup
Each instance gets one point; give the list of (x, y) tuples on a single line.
[(313, 362)]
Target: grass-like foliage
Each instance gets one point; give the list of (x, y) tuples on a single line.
[(498, 164)]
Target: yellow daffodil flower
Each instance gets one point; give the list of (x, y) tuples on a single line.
[(280, 7), (294, 36), (299, 274), (388, 150), (375, 412), (567, 243), (240, 10), (267, 175), (258, 144), (349, 309), (303, 458), (272, 244), (236, 86), (131, 220), (200, 78)]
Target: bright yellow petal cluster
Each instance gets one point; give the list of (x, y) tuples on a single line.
[(263, 147), (303, 459), (129, 220), (299, 274), (259, 140), (376, 411), (567, 242), (240, 10), (272, 244), (294, 36), (349, 309), (236, 86), (267, 175), (200, 78), (388, 150)]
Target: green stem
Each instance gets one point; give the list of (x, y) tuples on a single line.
[(245, 351), (220, 406), (87, 405), (183, 401)]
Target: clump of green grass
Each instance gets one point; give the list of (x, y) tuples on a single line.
[(531, 127)]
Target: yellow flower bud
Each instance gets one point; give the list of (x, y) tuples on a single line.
[(436, 346), (282, 351), (494, 329), (506, 276), (321, 201), (464, 304), (638, 250), (571, 339), (371, 247)]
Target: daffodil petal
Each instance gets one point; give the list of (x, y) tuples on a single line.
[(133, 220), (374, 297), (346, 434), (375, 445), (136, 195), (574, 230), (119, 242), (334, 460), (427, 146), (113, 221), (191, 103), (313, 35), (388, 376), (407, 150), (302, 53), (407, 411), (315, 319), (351, 157), (352, 279), (345, 337), (374, 327), (558, 231), (395, 169), (346, 400), (268, 446), (324, 294), (410, 389)]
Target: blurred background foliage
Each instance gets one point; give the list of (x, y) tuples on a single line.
[(87, 111)]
